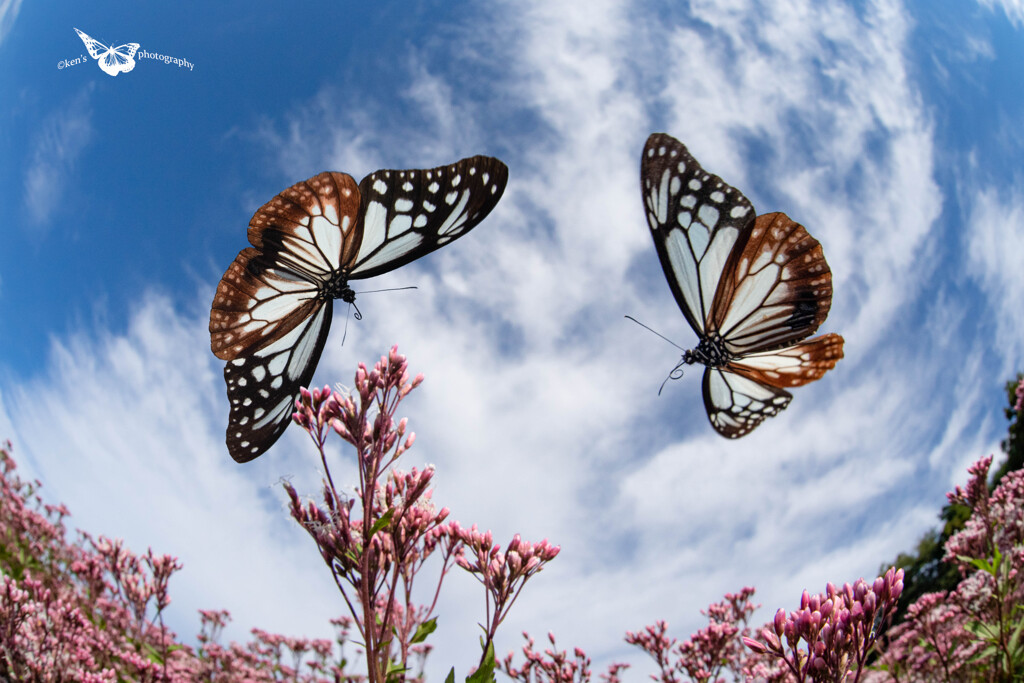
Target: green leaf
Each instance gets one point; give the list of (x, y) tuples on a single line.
[(384, 520), (979, 563), (1014, 644), (424, 630), (395, 671), (451, 676), (485, 672)]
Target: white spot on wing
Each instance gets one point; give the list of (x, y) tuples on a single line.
[(399, 224)]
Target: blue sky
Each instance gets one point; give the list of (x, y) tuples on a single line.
[(892, 130)]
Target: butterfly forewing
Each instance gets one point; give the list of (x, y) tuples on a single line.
[(263, 385), (697, 221), (776, 291), (96, 48), (408, 214), (310, 227)]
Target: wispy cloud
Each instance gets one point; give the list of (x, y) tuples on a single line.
[(994, 244), (1014, 9), (62, 136), (127, 429), (8, 15)]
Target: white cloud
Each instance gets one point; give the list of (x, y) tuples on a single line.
[(62, 136), (127, 430), (847, 148), (8, 15), (994, 244), (1014, 9)]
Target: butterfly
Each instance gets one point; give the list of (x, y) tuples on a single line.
[(113, 60), (751, 287), (273, 307)]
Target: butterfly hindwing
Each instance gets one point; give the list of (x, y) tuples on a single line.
[(792, 366), (776, 291), (262, 386), (408, 214), (697, 221), (735, 404), (257, 302)]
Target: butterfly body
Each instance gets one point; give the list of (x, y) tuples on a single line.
[(753, 288), (272, 311)]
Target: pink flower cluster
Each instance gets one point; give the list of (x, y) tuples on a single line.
[(91, 610), (503, 574), (833, 632), (556, 666), (712, 650), (377, 543)]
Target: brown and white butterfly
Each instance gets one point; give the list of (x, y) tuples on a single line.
[(272, 309), (752, 288)]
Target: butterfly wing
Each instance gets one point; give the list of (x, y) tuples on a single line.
[(736, 404), (774, 292), (119, 59), (96, 48), (271, 314), (791, 366), (697, 221), (127, 51), (300, 239), (408, 214), (739, 396), (263, 385)]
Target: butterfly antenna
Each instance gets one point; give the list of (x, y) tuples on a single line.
[(676, 373), (660, 335), (390, 289), (358, 316)]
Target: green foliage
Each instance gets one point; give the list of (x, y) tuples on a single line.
[(485, 672), (424, 630), (1002, 638)]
